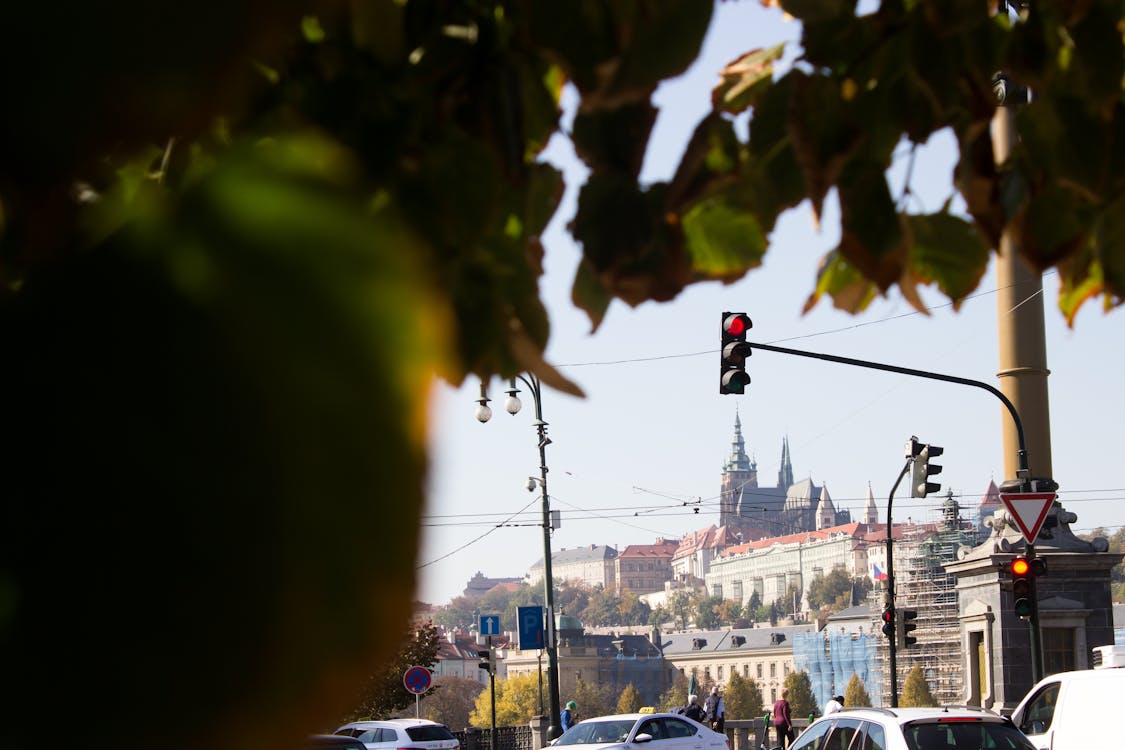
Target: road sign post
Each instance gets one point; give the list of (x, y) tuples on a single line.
[(417, 680)]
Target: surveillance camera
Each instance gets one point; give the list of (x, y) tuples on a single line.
[(531, 484)]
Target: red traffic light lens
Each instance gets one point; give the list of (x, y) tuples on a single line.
[(888, 615), (1020, 566), (736, 324)]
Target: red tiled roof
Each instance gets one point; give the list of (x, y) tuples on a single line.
[(664, 549)]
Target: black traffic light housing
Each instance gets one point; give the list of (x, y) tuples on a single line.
[(1023, 571), (735, 350), (487, 660), (889, 621), (923, 470), (906, 618)]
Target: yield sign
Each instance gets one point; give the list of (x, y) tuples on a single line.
[(1029, 509)]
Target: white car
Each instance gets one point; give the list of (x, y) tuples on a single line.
[(401, 734), (951, 728), (652, 731)]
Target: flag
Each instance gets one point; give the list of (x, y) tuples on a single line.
[(879, 575)]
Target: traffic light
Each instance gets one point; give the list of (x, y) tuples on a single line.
[(733, 377), (488, 660), (923, 470), (889, 621), (906, 618), (1023, 570)]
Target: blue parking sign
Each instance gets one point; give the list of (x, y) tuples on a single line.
[(531, 627)]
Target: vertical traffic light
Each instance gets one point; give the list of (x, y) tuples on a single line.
[(923, 470), (733, 377), (889, 621), (1023, 570), (906, 618), (487, 660)]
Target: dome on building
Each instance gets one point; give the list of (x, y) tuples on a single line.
[(569, 626)]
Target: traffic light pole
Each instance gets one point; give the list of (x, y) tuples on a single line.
[(892, 643)]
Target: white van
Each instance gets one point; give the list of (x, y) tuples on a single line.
[(1077, 710)]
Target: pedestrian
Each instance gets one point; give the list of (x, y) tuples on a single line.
[(714, 710), (694, 711), (782, 721), (569, 715), (834, 704)]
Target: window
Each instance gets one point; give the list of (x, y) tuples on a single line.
[(717, 590), (1040, 710), (813, 738), (1058, 650), (773, 669), (759, 670), (843, 735), (675, 728), (876, 738), (719, 672), (786, 665), (736, 590), (745, 670)]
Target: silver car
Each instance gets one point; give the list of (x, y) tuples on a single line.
[(407, 734), (652, 731)]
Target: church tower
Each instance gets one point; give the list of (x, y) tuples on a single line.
[(738, 472), (785, 473), (870, 511)]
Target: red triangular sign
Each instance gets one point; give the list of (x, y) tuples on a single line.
[(1029, 509)]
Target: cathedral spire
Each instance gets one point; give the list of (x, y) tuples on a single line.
[(785, 473), (870, 512), (738, 460)]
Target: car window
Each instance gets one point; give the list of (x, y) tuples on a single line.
[(367, 735), (429, 733), (677, 728), (1040, 710), (875, 737), (965, 735), (653, 727), (596, 732), (813, 737), (842, 736)]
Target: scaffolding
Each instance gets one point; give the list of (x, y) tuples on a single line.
[(921, 584), (831, 658)]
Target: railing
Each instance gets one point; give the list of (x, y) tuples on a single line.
[(507, 738)]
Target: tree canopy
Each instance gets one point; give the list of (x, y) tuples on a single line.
[(916, 691), (234, 238)]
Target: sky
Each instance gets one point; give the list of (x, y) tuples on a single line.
[(641, 455)]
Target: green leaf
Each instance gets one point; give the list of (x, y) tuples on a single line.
[(614, 139), (849, 289), (818, 10), (590, 295), (949, 251), (1109, 242), (743, 81), (871, 236), (724, 240), (821, 131)]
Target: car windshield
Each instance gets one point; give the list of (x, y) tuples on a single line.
[(429, 733), (965, 735), (597, 732)]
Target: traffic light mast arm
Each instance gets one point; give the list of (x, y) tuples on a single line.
[(1023, 464)]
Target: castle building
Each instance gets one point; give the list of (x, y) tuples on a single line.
[(754, 512)]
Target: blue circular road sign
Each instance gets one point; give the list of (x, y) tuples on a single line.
[(417, 680)]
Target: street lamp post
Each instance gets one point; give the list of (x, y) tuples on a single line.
[(512, 406)]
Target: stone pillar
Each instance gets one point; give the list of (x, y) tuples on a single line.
[(538, 726)]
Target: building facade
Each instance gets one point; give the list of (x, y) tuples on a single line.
[(593, 566), (763, 654), (644, 568)]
